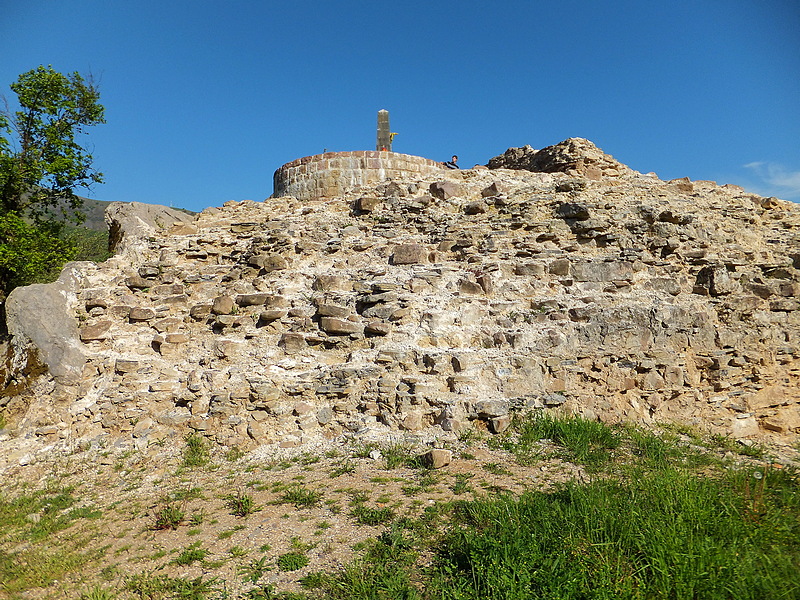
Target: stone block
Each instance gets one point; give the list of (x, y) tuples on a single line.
[(332, 283), (251, 299), (436, 458), (560, 267), (500, 424), (139, 313), (98, 331), (444, 190), (410, 254), (476, 208), (223, 305), (335, 326), (293, 342), (488, 409)]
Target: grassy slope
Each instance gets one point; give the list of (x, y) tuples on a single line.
[(636, 515)]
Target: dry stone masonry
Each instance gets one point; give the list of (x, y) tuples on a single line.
[(429, 302), (332, 174)]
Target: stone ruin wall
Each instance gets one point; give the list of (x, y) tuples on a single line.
[(332, 174)]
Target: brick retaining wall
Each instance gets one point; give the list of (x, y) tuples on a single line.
[(331, 174)]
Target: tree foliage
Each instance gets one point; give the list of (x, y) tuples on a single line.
[(42, 161)]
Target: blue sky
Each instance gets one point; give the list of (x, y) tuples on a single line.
[(204, 100)]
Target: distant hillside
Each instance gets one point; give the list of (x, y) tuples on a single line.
[(94, 211)]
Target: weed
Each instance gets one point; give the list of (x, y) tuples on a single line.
[(197, 452), (461, 486), (752, 450), (496, 469), (300, 496), (292, 561), (425, 480), (190, 493), (149, 586), (168, 517), (357, 496), (224, 535), (306, 458), (240, 504), (372, 516), (233, 454), (346, 467), (237, 551), (363, 451), (314, 580), (191, 554), (254, 570), (298, 544), (401, 455), (98, 593)]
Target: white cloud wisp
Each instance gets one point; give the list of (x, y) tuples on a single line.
[(776, 179)]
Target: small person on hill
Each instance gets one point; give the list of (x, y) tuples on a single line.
[(453, 163)]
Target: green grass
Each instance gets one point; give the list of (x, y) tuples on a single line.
[(661, 534), (196, 453), (191, 554), (366, 515), (401, 455), (240, 504), (661, 520), (292, 561), (300, 496), (169, 517), (153, 587), (578, 440)]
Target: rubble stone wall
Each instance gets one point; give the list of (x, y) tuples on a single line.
[(331, 174)]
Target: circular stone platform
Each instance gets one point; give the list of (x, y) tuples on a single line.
[(331, 174)]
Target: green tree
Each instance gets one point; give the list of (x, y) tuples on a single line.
[(42, 161)]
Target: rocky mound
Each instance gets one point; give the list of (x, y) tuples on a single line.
[(575, 156), (427, 305)]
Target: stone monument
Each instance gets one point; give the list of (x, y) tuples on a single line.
[(384, 133)]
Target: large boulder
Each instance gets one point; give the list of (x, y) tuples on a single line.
[(44, 329)]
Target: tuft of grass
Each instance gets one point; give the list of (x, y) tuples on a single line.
[(292, 561), (196, 453), (366, 515), (233, 454), (585, 442), (98, 593), (169, 517), (496, 469), (151, 587), (401, 455), (240, 504), (300, 496), (461, 485), (346, 467), (191, 554), (254, 570)]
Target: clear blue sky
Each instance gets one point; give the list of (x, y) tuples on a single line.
[(204, 100)]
